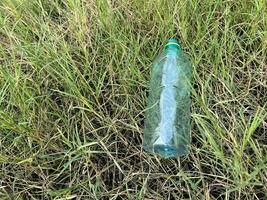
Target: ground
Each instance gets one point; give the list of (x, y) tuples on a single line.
[(73, 85)]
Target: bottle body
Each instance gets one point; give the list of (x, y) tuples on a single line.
[(167, 118)]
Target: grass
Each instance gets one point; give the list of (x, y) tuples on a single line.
[(73, 84)]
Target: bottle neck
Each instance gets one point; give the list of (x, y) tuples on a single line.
[(173, 50), (173, 46)]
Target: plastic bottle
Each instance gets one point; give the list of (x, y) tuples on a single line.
[(167, 117)]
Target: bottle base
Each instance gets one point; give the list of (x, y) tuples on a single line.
[(167, 151)]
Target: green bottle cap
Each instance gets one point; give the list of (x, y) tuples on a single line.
[(172, 43)]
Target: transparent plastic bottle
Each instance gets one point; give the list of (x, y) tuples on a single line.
[(167, 117)]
